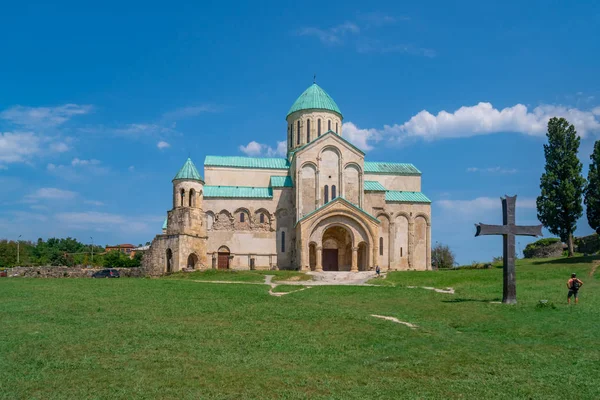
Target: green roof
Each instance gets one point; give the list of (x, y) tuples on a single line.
[(237, 192), (188, 171), (408, 197), (165, 223), (314, 98), (246, 162), (387, 168), (340, 198), (281, 181), (374, 186)]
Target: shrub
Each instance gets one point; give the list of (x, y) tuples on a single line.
[(442, 257)]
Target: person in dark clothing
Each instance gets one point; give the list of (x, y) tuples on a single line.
[(574, 285), (378, 271)]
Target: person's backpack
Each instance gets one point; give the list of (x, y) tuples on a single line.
[(575, 284)]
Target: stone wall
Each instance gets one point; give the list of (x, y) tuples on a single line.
[(67, 272), (544, 251), (588, 244)]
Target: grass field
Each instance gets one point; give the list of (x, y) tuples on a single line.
[(179, 339)]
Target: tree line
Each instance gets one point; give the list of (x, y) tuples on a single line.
[(61, 252), (563, 186)]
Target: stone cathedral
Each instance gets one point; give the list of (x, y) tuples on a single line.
[(324, 207)]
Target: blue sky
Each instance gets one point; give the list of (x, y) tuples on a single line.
[(101, 105)]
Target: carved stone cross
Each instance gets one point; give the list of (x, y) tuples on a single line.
[(508, 231)]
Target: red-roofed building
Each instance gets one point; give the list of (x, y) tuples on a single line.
[(125, 248)]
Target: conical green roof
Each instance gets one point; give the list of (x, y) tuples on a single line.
[(188, 171), (314, 98)]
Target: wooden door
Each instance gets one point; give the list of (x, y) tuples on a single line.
[(330, 260), (223, 261)]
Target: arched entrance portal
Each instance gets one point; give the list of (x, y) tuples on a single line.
[(192, 260), (169, 261), (363, 256), (337, 249), (223, 258)]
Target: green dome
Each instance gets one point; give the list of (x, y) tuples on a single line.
[(314, 98), (188, 171)]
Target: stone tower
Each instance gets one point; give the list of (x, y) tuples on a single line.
[(183, 244)]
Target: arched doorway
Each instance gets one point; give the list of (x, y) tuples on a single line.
[(223, 258), (312, 256), (192, 260), (363, 256), (169, 261), (337, 249)]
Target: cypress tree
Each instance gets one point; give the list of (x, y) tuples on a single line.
[(592, 191), (559, 204)]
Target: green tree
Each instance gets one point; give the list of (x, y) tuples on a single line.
[(559, 205), (442, 256), (592, 191)]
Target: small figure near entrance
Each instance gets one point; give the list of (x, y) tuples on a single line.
[(573, 284), (378, 271)]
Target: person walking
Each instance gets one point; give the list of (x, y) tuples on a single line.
[(574, 285)]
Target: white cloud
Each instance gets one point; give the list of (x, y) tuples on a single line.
[(3, 167), (142, 130), (188, 112), (78, 170), (360, 137), (255, 149), (485, 119), (131, 168), (378, 18), (51, 194), (163, 145), (480, 204), (106, 222), (43, 117), (252, 149), (77, 161), (18, 146), (493, 170), (481, 119), (94, 203), (366, 46), (333, 35)]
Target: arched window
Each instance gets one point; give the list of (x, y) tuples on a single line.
[(291, 135), (333, 192), (319, 127), (298, 134), (380, 246), (262, 218), (326, 194), (242, 217), (182, 197), (400, 251), (283, 242), (329, 125), (336, 127), (191, 201), (307, 130)]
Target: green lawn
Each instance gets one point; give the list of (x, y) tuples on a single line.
[(178, 339), (239, 276)]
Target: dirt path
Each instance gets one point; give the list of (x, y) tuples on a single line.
[(595, 265), (325, 278)]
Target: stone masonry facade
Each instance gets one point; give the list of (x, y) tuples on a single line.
[(323, 207)]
